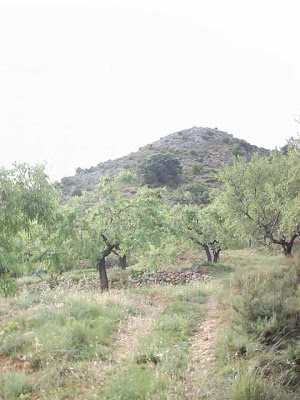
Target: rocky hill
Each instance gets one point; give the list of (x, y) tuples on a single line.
[(201, 152)]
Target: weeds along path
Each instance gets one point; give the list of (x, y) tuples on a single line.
[(135, 328), (128, 337), (201, 381)]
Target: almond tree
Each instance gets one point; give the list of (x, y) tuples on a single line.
[(55, 246), (119, 223), (204, 228), (262, 198), (27, 200)]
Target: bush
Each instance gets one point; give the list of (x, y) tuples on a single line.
[(67, 181), (79, 334), (195, 193), (245, 144), (126, 177), (248, 387), (76, 192), (263, 330), (8, 286), (89, 170), (14, 343), (237, 150), (226, 140), (197, 169), (194, 153), (266, 303), (161, 169), (15, 384)]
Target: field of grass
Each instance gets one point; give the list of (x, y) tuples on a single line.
[(233, 336)]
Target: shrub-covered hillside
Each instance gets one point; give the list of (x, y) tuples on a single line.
[(200, 151)]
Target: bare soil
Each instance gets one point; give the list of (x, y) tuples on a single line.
[(201, 372)]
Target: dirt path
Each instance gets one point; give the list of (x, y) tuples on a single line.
[(135, 328), (200, 380), (129, 334)]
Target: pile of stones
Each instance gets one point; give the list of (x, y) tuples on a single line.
[(167, 277), (134, 278)]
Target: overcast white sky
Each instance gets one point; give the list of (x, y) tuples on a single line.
[(85, 81)]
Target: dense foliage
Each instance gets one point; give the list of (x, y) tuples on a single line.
[(27, 201), (259, 202), (119, 224), (161, 169), (262, 199)]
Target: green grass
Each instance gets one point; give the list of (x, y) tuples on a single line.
[(69, 337), (248, 387), (79, 328), (60, 334), (162, 357), (27, 299)]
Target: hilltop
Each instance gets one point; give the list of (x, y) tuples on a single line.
[(201, 152)]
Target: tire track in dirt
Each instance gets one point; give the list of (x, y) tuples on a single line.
[(129, 335), (200, 380)]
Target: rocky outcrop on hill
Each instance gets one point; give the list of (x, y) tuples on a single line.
[(201, 152)]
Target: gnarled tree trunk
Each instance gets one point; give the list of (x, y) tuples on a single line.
[(286, 245), (287, 249), (207, 251), (101, 262), (123, 261), (216, 256), (102, 273), (216, 248), (204, 246)]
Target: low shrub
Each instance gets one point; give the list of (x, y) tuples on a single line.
[(226, 140), (263, 332), (80, 334), (266, 303), (14, 385), (237, 150), (13, 343), (197, 169), (8, 286), (67, 181), (76, 192), (194, 153), (248, 387)]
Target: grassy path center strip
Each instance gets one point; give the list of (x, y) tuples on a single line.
[(159, 363)]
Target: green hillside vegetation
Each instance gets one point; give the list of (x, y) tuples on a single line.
[(140, 289), (200, 152)]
